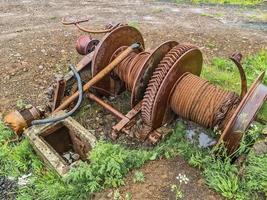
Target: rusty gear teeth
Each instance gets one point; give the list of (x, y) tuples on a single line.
[(157, 78)]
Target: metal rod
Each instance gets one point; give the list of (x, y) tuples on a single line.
[(108, 107), (236, 58), (77, 24), (99, 76), (94, 31)]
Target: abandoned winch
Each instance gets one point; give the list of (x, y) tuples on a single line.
[(164, 83)]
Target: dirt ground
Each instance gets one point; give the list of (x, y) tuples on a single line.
[(159, 177), (35, 47)]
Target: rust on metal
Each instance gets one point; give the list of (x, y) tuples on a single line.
[(59, 93), (146, 72), (244, 115), (121, 36), (177, 61), (86, 44), (176, 87), (98, 77), (204, 103), (77, 23), (108, 107), (120, 126), (236, 58), (20, 120), (163, 83)]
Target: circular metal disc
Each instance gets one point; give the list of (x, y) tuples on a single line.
[(244, 115), (191, 62), (145, 74), (121, 36)]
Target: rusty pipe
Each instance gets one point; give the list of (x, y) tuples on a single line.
[(236, 58), (95, 31), (98, 76), (108, 107), (77, 24), (65, 22)]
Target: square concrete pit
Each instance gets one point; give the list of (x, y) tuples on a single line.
[(50, 141)]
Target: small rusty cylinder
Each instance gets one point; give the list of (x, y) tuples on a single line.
[(20, 120), (129, 68), (198, 100), (86, 44), (98, 76)]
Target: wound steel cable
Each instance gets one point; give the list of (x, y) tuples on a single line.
[(129, 68), (199, 101)]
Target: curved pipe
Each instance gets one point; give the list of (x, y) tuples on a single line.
[(236, 58), (55, 119), (77, 24)]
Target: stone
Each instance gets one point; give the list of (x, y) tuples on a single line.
[(17, 55), (260, 147), (41, 67)]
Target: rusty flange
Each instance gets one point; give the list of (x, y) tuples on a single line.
[(244, 115), (182, 58), (145, 74), (121, 36)]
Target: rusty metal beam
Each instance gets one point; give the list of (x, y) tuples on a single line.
[(59, 93)]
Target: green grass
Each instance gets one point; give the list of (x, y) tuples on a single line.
[(232, 2)]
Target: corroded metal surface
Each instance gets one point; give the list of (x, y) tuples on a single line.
[(236, 58), (70, 20), (98, 77), (59, 92), (146, 72), (85, 44), (244, 115), (199, 101), (121, 36), (180, 59), (20, 120)]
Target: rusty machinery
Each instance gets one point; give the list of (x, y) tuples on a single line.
[(163, 83)]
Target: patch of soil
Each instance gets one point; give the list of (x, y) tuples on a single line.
[(159, 177)]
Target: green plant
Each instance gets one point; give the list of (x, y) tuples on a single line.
[(177, 191), (255, 178), (20, 104), (134, 24), (139, 177), (128, 196), (117, 195)]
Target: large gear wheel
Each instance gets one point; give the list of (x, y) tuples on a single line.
[(157, 79)]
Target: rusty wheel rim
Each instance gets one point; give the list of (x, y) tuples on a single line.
[(244, 115)]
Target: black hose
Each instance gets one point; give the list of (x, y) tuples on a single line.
[(80, 89)]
